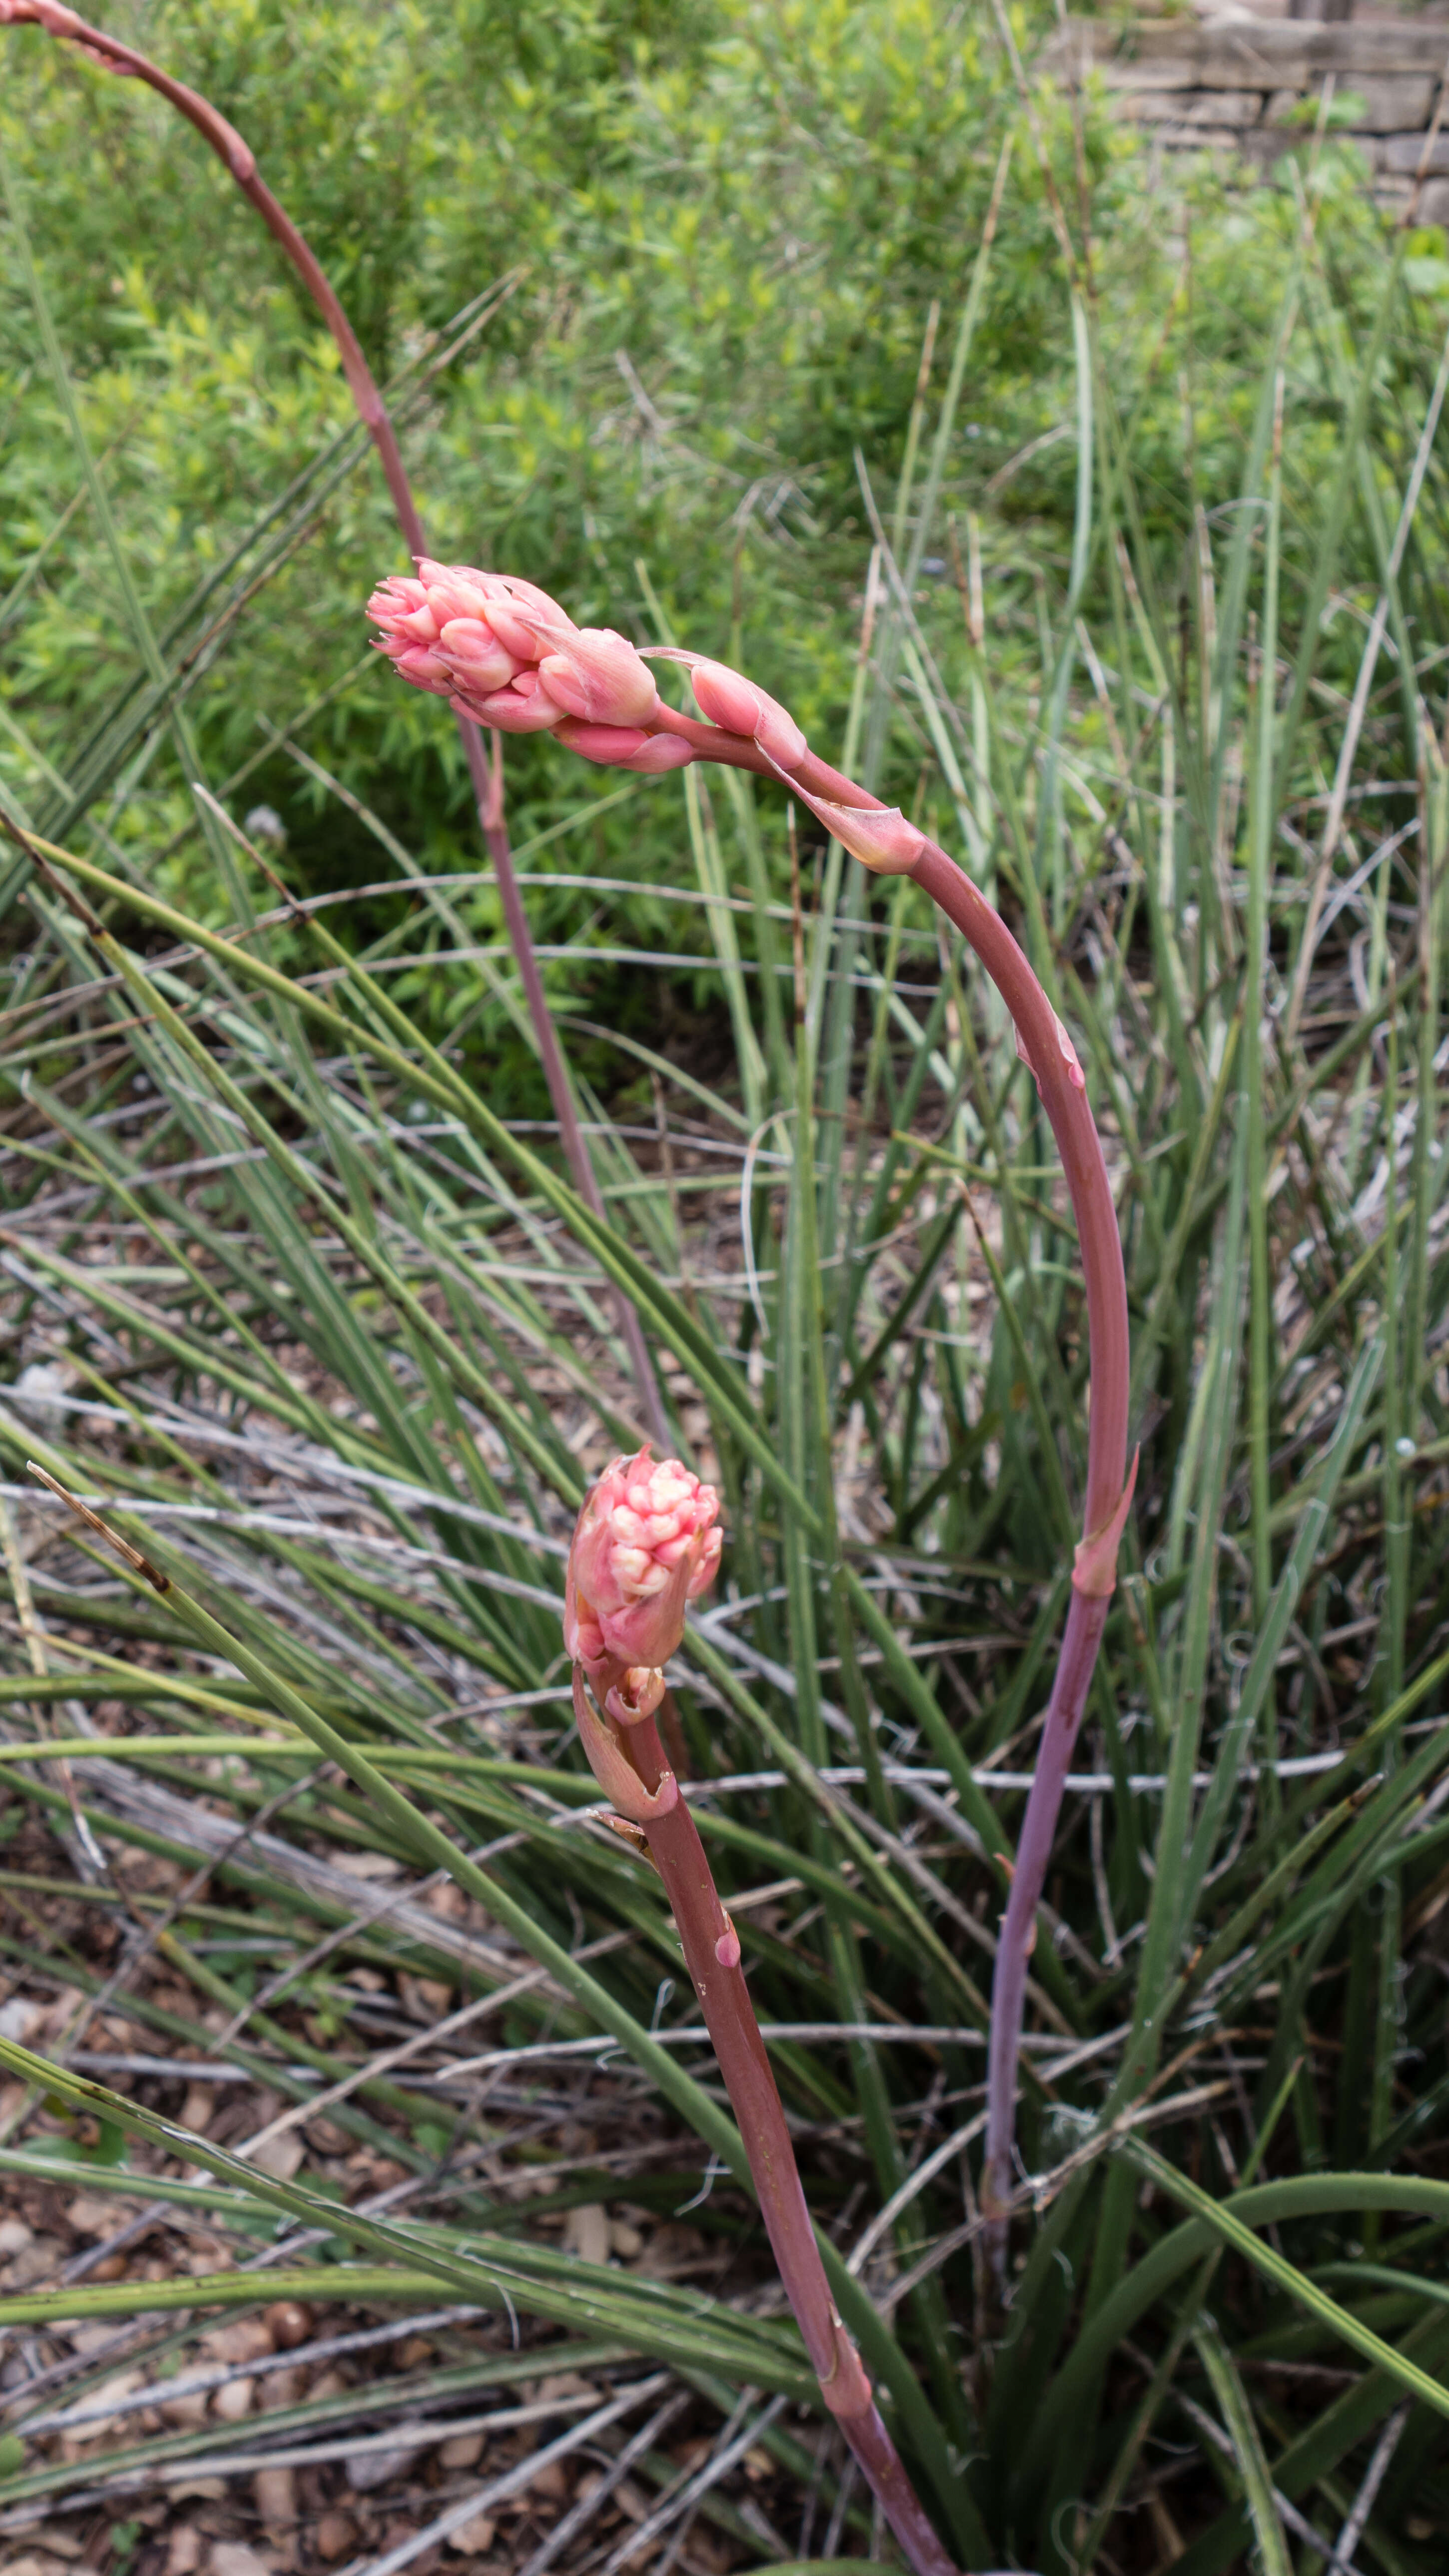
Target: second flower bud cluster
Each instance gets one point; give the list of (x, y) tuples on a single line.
[(503, 653)]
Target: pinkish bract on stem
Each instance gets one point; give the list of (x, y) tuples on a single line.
[(647, 1541)]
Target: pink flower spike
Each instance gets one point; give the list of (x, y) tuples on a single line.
[(601, 679), (878, 835), (646, 1543), (730, 700)]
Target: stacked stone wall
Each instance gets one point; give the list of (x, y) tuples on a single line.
[(1234, 84)]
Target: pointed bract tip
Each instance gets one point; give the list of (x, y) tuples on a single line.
[(879, 836), (609, 1762), (1094, 1565)]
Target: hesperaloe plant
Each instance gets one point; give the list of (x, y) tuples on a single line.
[(504, 654)]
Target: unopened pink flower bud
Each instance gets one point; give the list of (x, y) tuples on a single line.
[(610, 745), (625, 746), (661, 751), (646, 1543), (524, 617), (730, 700), (474, 655), (523, 707), (424, 669), (599, 678), (394, 597), (725, 696), (418, 624), (457, 591)]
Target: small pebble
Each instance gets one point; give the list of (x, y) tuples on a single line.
[(290, 2323), (336, 2533), (275, 2491)]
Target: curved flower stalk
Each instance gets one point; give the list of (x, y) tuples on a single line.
[(554, 668), (647, 1542), (487, 782)]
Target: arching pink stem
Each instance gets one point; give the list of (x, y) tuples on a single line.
[(1059, 1079), (712, 1954)]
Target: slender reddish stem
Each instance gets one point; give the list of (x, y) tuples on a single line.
[(736, 751), (712, 1955), (1064, 1098), (488, 795), (1061, 1084), (236, 153)]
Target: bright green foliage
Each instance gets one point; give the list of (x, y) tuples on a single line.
[(721, 233), (725, 230)]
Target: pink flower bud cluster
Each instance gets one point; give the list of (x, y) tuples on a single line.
[(503, 653), (647, 1542)]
